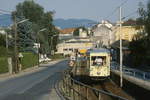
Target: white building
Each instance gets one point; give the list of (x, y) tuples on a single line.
[(66, 33), (103, 33), (2, 31), (69, 46), (82, 33)]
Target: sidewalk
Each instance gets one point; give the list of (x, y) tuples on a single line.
[(7, 76)]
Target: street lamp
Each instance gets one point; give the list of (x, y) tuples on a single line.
[(16, 36), (39, 44), (51, 46)]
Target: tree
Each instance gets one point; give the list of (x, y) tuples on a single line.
[(25, 35), (30, 10), (140, 46), (38, 20), (76, 32), (3, 51), (2, 40)]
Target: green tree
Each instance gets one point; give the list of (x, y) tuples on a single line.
[(76, 32), (140, 46), (2, 40), (2, 45), (38, 20), (25, 40), (30, 10)]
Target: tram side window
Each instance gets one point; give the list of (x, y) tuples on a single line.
[(98, 60)]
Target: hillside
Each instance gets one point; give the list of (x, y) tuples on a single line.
[(5, 20), (62, 23)]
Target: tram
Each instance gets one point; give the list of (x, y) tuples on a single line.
[(96, 64)]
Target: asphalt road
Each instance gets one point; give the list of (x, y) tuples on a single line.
[(39, 85)]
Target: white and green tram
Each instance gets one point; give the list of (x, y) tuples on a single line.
[(98, 63)]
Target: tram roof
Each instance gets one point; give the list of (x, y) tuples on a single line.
[(100, 50)]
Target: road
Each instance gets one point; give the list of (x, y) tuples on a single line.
[(40, 85)]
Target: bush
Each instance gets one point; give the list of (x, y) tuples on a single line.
[(3, 65), (3, 51), (29, 60)]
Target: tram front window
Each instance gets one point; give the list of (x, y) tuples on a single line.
[(97, 60)]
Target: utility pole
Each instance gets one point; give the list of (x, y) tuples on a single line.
[(38, 40), (121, 58), (51, 44), (7, 42), (16, 47)]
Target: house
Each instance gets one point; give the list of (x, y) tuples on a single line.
[(103, 34), (128, 32), (83, 33), (2, 31), (66, 33)]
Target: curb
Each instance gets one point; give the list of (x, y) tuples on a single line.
[(7, 76)]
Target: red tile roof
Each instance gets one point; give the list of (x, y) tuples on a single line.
[(67, 30)]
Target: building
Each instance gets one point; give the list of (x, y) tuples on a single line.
[(103, 34), (69, 46), (69, 43), (66, 33), (128, 32), (2, 31), (82, 33)]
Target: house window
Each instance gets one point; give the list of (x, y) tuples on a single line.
[(70, 49), (65, 49)]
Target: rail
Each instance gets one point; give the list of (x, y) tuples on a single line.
[(73, 90), (132, 72)]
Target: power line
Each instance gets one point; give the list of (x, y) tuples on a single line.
[(114, 11), (123, 3), (2, 10), (129, 15), (107, 17)]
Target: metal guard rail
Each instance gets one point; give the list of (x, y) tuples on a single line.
[(132, 72), (69, 83)]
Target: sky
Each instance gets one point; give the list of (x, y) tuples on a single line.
[(83, 9)]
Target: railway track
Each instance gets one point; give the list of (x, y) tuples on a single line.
[(111, 87), (87, 89), (107, 86)]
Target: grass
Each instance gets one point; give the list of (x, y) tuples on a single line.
[(29, 60), (3, 65)]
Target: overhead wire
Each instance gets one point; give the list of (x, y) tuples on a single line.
[(129, 15), (5, 11), (114, 11)]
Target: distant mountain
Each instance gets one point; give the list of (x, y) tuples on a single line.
[(67, 23), (5, 20)]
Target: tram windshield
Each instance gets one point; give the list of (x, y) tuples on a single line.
[(98, 60)]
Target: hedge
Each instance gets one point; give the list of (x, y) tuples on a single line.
[(29, 60), (3, 65)]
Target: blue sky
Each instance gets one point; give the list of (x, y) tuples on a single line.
[(86, 9)]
